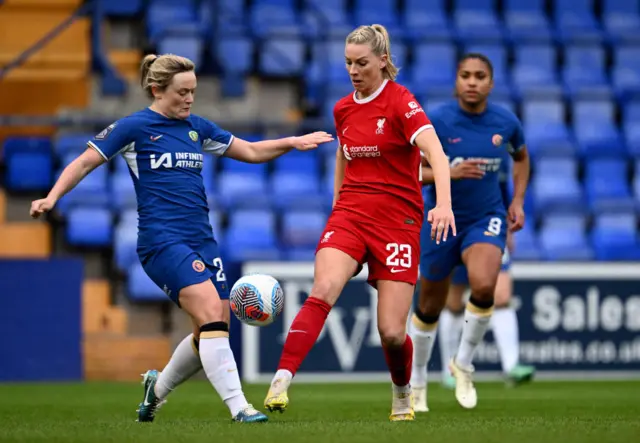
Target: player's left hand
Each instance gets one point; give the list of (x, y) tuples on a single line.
[(441, 219), (311, 141), (516, 216)]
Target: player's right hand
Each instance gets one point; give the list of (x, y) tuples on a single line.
[(441, 219), (472, 168), (39, 207), (311, 141)]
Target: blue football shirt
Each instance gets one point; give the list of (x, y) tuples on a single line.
[(493, 135), (165, 159)]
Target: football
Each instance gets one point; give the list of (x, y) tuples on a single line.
[(257, 299)]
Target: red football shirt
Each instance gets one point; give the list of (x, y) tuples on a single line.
[(377, 134)]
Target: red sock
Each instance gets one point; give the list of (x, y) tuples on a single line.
[(399, 361), (303, 333)]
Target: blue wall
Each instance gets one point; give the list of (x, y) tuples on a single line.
[(41, 320)]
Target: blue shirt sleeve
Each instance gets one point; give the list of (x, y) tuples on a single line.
[(215, 140), (517, 141), (114, 139)]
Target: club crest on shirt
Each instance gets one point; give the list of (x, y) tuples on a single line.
[(198, 265), (380, 129), (496, 140), (193, 135)]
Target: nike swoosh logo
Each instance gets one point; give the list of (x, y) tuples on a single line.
[(395, 271), (157, 137), (146, 395), (297, 330), (345, 130)]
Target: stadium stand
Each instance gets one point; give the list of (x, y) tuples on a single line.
[(569, 68)]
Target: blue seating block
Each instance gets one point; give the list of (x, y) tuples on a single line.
[(92, 227), (282, 57), (251, 236), (29, 164), (614, 237), (141, 288), (563, 237)]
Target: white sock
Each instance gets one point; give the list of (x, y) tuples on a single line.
[(221, 369), (183, 365), (504, 323), (476, 323), (450, 328), (423, 336), (283, 373)]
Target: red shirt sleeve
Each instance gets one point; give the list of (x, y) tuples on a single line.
[(412, 117)]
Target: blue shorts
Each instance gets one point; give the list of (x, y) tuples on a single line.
[(175, 266), (438, 261), (460, 276)]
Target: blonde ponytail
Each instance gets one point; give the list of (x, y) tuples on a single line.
[(377, 37)]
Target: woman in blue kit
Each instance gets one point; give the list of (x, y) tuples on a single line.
[(163, 146), (477, 136)]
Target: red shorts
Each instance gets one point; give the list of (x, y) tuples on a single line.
[(391, 254)]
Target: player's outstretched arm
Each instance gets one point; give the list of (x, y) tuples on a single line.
[(440, 217), (266, 150), (521, 170), (73, 174), (341, 164)]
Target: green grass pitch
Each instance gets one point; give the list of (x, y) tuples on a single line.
[(542, 412)]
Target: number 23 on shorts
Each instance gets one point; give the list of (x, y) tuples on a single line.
[(399, 258)]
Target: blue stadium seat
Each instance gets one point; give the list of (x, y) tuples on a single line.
[(298, 161), (290, 190), (497, 54), (555, 186), (614, 237), (73, 143), (621, 19), (434, 68), (141, 288), (171, 17), (235, 54), (275, 18), (123, 194), (282, 57), (29, 163), (563, 237), (625, 74), (545, 129), (383, 12), (426, 20), (526, 245), (602, 138), (302, 229), (477, 21), (231, 19), (125, 241), (92, 191), (607, 185), (251, 236), (576, 21), (631, 127), (189, 46), (326, 18), (584, 72), (91, 227), (239, 189), (121, 8), (535, 72), (526, 21)]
